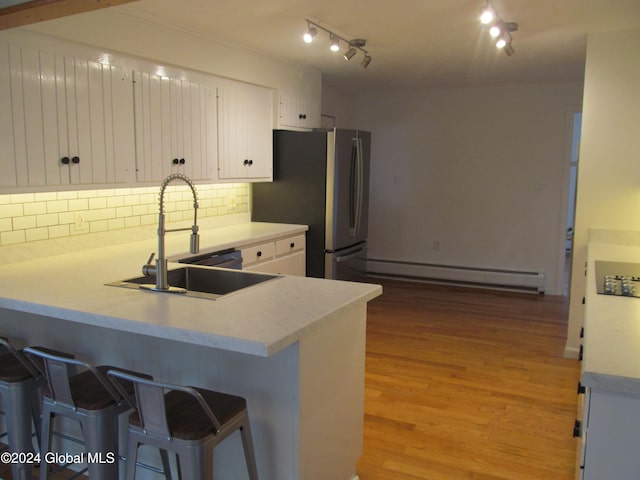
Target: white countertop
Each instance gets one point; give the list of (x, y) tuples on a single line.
[(611, 357), (259, 320)]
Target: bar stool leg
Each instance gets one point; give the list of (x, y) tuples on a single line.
[(197, 464), (249, 454), (45, 441), (166, 466), (132, 458), (100, 436), (17, 399)]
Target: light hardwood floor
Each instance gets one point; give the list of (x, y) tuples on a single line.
[(467, 384)]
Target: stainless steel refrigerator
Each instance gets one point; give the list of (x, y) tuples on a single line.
[(321, 179)]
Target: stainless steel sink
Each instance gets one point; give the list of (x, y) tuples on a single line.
[(202, 282)]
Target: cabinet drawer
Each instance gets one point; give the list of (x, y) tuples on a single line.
[(290, 245), (258, 253)]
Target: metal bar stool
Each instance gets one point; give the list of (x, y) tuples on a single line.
[(87, 397), (19, 384), (189, 421)]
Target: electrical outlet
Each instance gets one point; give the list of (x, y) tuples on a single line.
[(80, 224)]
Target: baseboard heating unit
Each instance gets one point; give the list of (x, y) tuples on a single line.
[(478, 277)]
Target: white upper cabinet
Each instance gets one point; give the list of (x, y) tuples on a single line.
[(63, 121), (299, 112), (175, 121), (245, 133)]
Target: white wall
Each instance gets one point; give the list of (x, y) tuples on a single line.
[(609, 167), (480, 171), (337, 108)]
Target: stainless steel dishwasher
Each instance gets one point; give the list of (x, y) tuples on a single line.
[(229, 258)]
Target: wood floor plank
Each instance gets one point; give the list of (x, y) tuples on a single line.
[(467, 384)]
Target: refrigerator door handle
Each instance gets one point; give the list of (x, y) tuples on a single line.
[(355, 203)]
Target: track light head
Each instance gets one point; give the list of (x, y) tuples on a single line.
[(350, 53), (310, 34), (335, 43), (488, 15), (366, 60)]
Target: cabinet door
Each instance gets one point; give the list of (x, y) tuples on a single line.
[(298, 112), (55, 107), (175, 127), (245, 138)]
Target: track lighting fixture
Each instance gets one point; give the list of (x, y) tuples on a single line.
[(353, 45), (499, 29), (335, 43), (310, 34), (348, 55)]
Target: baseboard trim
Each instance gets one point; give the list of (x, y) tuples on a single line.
[(458, 275)]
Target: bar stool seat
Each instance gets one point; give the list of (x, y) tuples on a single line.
[(19, 383), (87, 397), (189, 421)]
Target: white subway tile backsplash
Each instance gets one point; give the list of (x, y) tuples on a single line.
[(56, 206), (38, 216), (44, 196), (6, 225), (34, 234), (66, 195), (99, 226), (22, 223), (21, 198), (35, 208), (11, 210), (57, 231), (13, 237), (97, 203), (47, 220), (78, 204)]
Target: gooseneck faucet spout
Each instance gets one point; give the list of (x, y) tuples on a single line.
[(160, 267)]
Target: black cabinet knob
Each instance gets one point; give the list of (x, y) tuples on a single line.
[(175, 161), (75, 160), (65, 160), (247, 162), (291, 245), (182, 161), (259, 254)]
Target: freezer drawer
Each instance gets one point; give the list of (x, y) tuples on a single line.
[(347, 264)]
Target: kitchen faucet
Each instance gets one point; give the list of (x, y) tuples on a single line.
[(160, 268)]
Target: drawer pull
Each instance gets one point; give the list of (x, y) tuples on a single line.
[(292, 245), (259, 254)]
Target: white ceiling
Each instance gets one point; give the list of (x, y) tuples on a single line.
[(414, 43)]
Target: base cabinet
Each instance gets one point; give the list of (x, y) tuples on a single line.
[(609, 445), (284, 256)]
